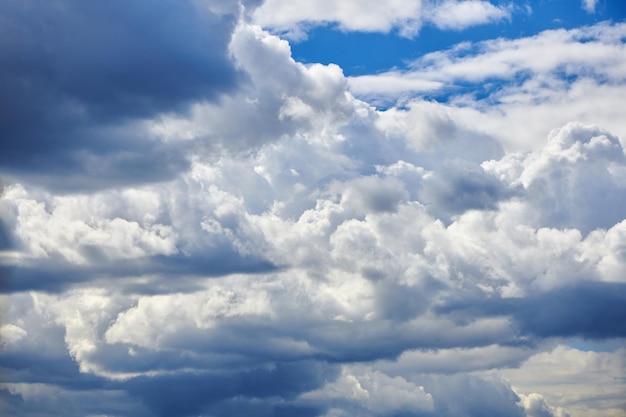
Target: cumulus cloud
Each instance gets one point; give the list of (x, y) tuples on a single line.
[(313, 255), (535, 406), (371, 394)]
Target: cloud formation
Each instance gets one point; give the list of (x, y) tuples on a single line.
[(293, 19), (78, 77), (244, 236)]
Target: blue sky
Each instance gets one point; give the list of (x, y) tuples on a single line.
[(292, 208), (359, 53)]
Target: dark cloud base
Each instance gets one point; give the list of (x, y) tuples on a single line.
[(591, 310)]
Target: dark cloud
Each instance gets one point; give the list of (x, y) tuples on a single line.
[(171, 273), (591, 310), (50, 401), (71, 71), (226, 392)]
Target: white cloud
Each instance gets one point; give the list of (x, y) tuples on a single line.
[(535, 406), (373, 393), (10, 334), (84, 228), (590, 5), (578, 153), (524, 92), (390, 83), (458, 15), (281, 99), (294, 18), (368, 16)]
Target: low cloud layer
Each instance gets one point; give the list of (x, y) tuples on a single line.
[(213, 228)]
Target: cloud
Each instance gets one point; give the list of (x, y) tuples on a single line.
[(318, 256), (511, 72), (350, 16), (578, 153), (45, 400), (78, 77), (372, 394), (590, 5), (293, 19), (535, 406), (459, 15), (565, 388), (461, 186), (11, 333), (390, 83)]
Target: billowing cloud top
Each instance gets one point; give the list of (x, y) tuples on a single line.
[(195, 223)]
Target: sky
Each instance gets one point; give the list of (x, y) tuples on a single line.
[(290, 208)]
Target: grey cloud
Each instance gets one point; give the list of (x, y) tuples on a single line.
[(226, 392), (361, 391), (592, 310), (467, 395), (163, 274), (72, 70), (459, 185), (49, 401)]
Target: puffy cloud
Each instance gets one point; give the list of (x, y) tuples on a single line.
[(574, 182), (279, 98), (372, 393), (317, 256), (535, 406)]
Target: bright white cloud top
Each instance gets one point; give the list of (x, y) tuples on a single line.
[(193, 222)]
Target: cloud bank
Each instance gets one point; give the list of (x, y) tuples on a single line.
[(193, 223)]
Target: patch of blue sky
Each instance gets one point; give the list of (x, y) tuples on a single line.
[(359, 53), (606, 345)]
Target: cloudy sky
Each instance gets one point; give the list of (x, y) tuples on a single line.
[(313, 208)]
